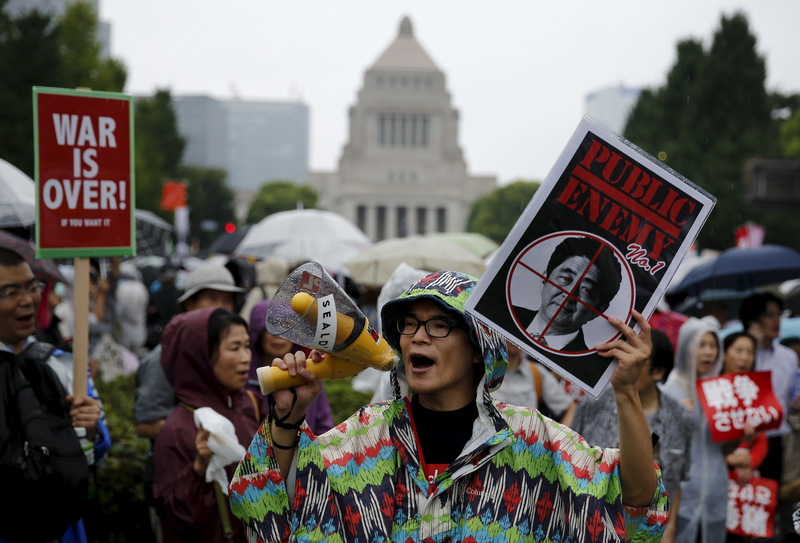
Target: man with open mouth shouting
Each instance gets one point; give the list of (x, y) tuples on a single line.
[(443, 461)]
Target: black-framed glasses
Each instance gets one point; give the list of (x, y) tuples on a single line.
[(437, 327), (13, 293)]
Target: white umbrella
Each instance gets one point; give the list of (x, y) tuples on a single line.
[(17, 196), (305, 234), (374, 266)]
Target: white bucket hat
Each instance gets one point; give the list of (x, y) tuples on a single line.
[(209, 277)]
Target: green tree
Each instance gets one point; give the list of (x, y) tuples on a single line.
[(494, 214), (790, 136), (713, 112), (37, 50), (29, 56), (275, 196), (83, 65), (158, 147), (210, 199)]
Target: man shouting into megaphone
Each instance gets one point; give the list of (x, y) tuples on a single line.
[(443, 461)]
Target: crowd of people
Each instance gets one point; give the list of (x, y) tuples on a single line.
[(467, 440)]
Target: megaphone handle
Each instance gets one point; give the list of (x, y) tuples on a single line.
[(272, 378)]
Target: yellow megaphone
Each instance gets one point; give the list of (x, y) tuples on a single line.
[(311, 310)]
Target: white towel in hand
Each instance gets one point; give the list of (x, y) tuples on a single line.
[(222, 442)]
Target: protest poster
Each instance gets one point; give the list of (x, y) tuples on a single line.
[(732, 400), (84, 168), (602, 236), (83, 147), (751, 507)]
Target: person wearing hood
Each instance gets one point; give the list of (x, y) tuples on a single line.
[(205, 357), (704, 494), (443, 461), (266, 348)]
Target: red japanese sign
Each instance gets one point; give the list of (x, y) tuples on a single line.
[(733, 400), (84, 173), (751, 508)]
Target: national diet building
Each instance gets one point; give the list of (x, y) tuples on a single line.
[(402, 171)]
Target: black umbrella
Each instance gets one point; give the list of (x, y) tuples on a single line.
[(226, 243), (740, 269), (152, 233), (44, 268)]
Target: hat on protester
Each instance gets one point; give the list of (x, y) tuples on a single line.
[(209, 277), (450, 291)]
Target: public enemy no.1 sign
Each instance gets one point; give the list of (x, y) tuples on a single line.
[(84, 173)]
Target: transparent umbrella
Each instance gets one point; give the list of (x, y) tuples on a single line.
[(17, 197), (374, 266), (305, 234), (473, 241)]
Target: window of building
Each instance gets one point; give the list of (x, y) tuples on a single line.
[(422, 220), (402, 222), (403, 129), (381, 220), (441, 219), (361, 218)]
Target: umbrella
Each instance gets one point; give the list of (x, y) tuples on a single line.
[(740, 269), (226, 243), (305, 234), (152, 233), (17, 196), (44, 268), (722, 299), (792, 299), (472, 241), (374, 266)]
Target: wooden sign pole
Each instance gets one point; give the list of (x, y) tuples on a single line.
[(80, 338)]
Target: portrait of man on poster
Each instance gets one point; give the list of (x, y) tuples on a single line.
[(581, 279)]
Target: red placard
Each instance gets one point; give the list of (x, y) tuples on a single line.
[(751, 508), (173, 195), (84, 173), (734, 399)]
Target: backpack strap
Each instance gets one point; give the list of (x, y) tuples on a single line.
[(537, 381), (256, 405), (39, 351), (32, 363), (221, 500)]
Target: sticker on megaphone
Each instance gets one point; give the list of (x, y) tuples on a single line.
[(327, 321)]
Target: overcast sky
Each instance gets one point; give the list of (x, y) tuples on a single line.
[(518, 71)]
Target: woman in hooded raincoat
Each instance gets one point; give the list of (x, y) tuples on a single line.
[(206, 358), (704, 495)]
